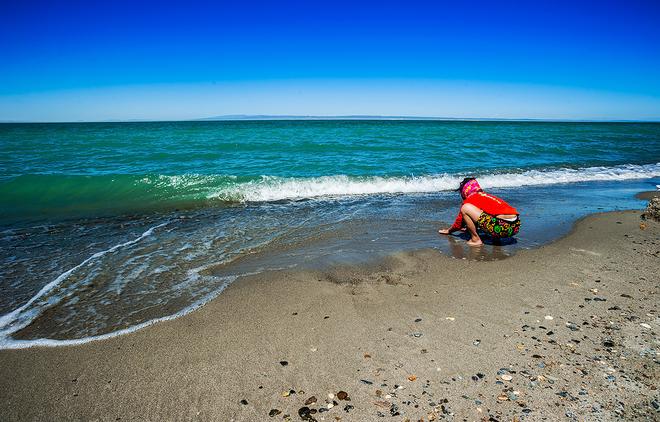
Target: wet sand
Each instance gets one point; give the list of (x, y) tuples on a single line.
[(648, 195), (568, 331)]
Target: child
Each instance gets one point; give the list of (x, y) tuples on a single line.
[(488, 212)]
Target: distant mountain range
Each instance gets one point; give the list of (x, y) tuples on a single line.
[(341, 117)]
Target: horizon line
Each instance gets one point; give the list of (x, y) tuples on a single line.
[(356, 117)]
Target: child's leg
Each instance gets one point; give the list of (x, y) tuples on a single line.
[(471, 215)]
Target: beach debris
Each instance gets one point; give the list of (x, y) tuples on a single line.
[(450, 318), (310, 401), (274, 412), (652, 211), (343, 395), (476, 342), (366, 382), (284, 363), (416, 335)]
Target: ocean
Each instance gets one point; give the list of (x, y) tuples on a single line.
[(109, 227)]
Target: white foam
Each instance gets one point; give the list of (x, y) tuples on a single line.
[(270, 188), (7, 342), (24, 315)]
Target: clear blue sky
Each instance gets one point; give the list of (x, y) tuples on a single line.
[(163, 60)]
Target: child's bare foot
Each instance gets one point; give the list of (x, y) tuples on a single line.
[(477, 242), (443, 231)]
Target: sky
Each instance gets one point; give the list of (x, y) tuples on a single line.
[(120, 60)]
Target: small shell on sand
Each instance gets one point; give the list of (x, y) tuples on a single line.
[(549, 317), (506, 377)]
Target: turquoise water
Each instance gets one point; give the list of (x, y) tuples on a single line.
[(107, 227), (113, 168)]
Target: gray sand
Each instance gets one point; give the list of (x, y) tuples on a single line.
[(419, 336)]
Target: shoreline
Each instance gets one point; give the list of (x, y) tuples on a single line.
[(201, 365)]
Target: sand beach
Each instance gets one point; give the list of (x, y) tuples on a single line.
[(567, 331)]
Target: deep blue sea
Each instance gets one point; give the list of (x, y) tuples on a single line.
[(107, 227)]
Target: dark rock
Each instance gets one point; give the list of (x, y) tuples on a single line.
[(626, 296), (343, 395), (366, 382), (394, 410), (274, 412), (305, 414), (348, 408), (244, 402), (310, 400), (418, 320), (284, 363)]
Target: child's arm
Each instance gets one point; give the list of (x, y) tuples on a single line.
[(457, 226)]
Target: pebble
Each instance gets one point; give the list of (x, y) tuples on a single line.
[(506, 377), (331, 396), (418, 320), (645, 325), (244, 402), (310, 400), (284, 363), (450, 318), (342, 395), (476, 342), (274, 412), (549, 317), (572, 326), (417, 335)]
